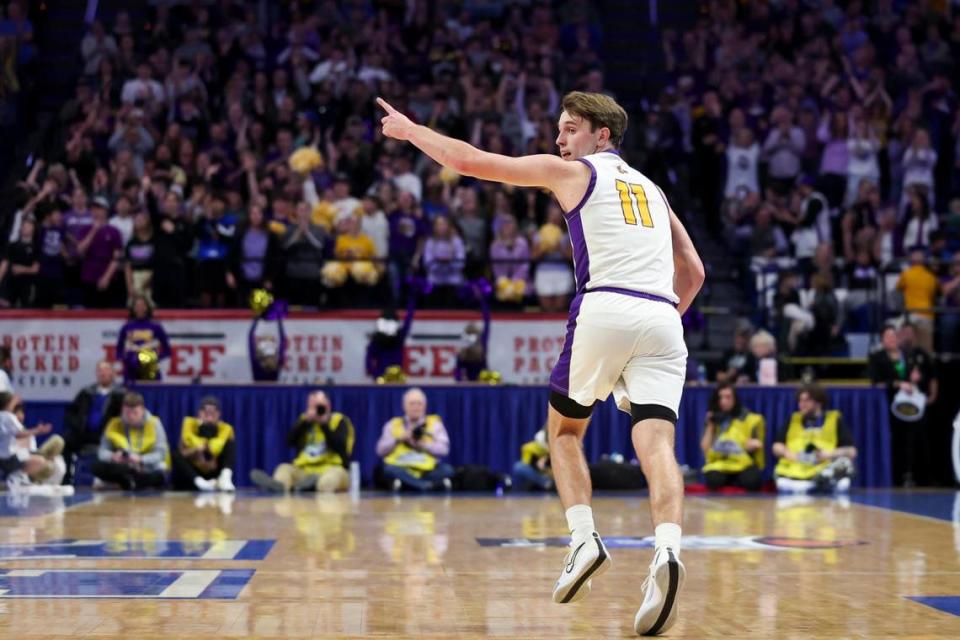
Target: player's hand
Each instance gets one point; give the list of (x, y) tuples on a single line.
[(394, 124)]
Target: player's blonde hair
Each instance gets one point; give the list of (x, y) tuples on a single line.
[(600, 111)]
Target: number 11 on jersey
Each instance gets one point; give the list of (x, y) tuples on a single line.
[(629, 208)]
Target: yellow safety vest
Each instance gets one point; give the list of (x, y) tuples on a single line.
[(748, 425), (414, 461), (531, 452), (315, 457), (190, 436), (141, 441), (824, 438)]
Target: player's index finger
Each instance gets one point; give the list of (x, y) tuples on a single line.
[(386, 106)]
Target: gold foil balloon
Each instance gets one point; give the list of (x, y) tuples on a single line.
[(260, 301), (148, 364)]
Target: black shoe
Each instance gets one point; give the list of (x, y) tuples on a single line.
[(265, 482)]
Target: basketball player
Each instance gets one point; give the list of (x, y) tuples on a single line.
[(637, 272)]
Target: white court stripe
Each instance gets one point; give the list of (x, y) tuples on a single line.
[(189, 585), (224, 550), (25, 573)]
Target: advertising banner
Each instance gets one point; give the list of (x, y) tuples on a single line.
[(55, 353)]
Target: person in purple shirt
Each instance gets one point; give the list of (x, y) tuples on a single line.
[(141, 331), (77, 223), (100, 250), (52, 257), (444, 257), (408, 230)]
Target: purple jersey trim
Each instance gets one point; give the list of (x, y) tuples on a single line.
[(581, 259), (636, 294), (560, 377)]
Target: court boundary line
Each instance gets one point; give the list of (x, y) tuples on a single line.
[(942, 521)]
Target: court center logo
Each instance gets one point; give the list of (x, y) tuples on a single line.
[(704, 543)]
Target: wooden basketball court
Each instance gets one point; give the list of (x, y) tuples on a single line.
[(164, 566)]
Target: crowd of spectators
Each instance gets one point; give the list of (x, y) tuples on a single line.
[(824, 147), (214, 149), (180, 177)]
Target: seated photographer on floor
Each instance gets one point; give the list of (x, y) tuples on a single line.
[(324, 443), (815, 449), (133, 450), (411, 446), (207, 453), (533, 470), (732, 442)]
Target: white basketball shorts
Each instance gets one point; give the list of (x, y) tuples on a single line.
[(620, 343)]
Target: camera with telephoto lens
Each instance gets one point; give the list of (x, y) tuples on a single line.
[(207, 430), (418, 432)]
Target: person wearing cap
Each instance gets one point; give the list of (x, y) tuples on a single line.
[(100, 250), (133, 451), (207, 453), (324, 442)]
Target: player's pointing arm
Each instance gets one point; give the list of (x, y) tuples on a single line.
[(528, 171)]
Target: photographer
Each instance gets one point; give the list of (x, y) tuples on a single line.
[(732, 442), (324, 442), (815, 449), (207, 453), (411, 446), (133, 451)]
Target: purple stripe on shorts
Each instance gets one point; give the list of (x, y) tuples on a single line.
[(581, 259), (636, 294), (560, 377)]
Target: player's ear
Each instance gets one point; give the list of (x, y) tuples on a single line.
[(604, 135)]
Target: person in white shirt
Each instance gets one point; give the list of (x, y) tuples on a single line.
[(921, 222), (95, 46), (742, 159), (143, 87), (918, 162), (122, 220), (375, 224), (862, 163), (405, 179), (343, 202)]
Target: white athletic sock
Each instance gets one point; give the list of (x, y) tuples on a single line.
[(580, 521), (667, 534)]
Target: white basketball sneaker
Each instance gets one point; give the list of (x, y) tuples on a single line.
[(660, 590), (586, 559), (225, 481)]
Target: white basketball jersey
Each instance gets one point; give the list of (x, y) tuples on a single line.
[(620, 231)]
